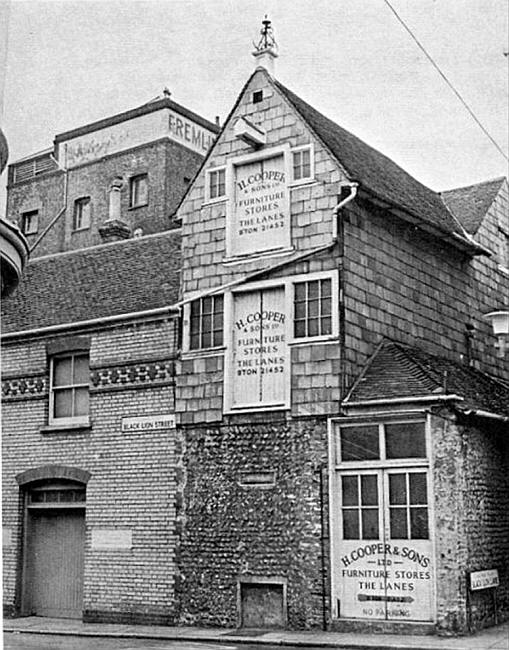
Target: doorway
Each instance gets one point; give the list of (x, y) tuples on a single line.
[(54, 551)]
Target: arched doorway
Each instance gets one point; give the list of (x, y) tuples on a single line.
[(54, 548)]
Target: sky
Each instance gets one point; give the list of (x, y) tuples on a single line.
[(68, 63)]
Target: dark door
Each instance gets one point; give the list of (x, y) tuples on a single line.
[(55, 556)]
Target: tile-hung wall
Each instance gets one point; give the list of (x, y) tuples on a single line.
[(127, 550)]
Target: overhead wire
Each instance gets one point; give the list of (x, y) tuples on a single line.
[(435, 65)]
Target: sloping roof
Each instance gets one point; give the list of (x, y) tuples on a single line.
[(106, 280), (376, 172), (398, 370), (470, 204)]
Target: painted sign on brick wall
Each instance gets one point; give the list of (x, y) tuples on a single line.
[(260, 218), (259, 354)]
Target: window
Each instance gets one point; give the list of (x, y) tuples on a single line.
[(138, 191), (313, 308), (390, 441), (359, 493), (69, 389), (257, 96), (301, 164), (217, 183), (408, 505), (81, 216), (30, 222), (206, 330)]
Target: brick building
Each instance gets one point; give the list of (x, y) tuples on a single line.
[(88, 351), (344, 412), (340, 453)]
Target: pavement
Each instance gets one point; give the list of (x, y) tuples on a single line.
[(494, 638)]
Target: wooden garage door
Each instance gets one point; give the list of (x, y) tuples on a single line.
[(55, 555)]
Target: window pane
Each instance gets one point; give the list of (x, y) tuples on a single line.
[(369, 491), (300, 292), (206, 324), (370, 523), (195, 309), (326, 325), (195, 341), (313, 327), (326, 288), (206, 339), (206, 305), (351, 524), (359, 443), (313, 308), (418, 490), (62, 403), (405, 440), (326, 306), (419, 523), (217, 337), (397, 489), (300, 310), (81, 401), (313, 290), (81, 371), (62, 373), (350, 490), (398, 523), (300, 328)]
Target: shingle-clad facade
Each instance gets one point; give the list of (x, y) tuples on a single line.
[(308, 249)]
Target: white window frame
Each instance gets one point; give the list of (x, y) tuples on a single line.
[(208, 187), (186, 336), (307, 179), (287, 283), (78, 206), (75, 419), (132, 181), (35, 217)]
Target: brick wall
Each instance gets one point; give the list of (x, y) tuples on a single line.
[(169, 167), (133, 477)]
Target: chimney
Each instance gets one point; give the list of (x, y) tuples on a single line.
[(266, 52), (114, 228)]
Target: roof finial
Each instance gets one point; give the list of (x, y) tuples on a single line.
[(265, 51)]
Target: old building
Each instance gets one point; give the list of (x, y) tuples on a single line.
[(314, 324), (88, 351), (343, 407)]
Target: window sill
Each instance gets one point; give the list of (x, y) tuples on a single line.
[(330, 338), (135, 207), (203, 352), (241, 259), (302, 181), (219, 199), (71, 428), (80, 229)]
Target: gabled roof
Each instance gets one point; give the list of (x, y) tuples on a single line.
[(111, 279), (399, 371), (470, 204), (377, 173)]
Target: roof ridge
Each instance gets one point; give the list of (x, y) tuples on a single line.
[(470, 185)]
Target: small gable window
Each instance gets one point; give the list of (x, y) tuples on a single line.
[(216, 183), (30, 222), (301, 164), (206, 328), (138, 191), (257, 96), (69, 388), (81, 215), (313, 308)]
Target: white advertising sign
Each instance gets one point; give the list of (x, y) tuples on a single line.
[(260, 218), (259, 358), (111, 538), (484, 579), (144, 423), (132, 133), (386, 580), (6, 537)]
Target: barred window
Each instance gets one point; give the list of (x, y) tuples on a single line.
[(312, 308), (69, 388), (217, 183), (206, 329)]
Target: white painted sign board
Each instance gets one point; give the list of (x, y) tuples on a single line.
[(260, 218), (259, 359), (484, 579), (111, 538), (6, 537), (146, 423)]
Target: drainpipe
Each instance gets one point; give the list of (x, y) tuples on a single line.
[(61, 211), (340, 238)]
